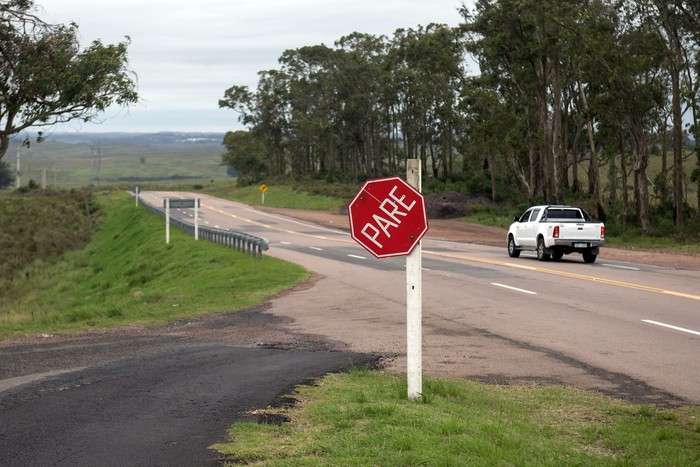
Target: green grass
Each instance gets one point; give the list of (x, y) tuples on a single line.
[(279, 196), (42, 224), (127, 274), (364, 418)]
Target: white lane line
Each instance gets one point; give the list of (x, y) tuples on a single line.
[(358, 257), (690, 331), (316, 248), (285, 243), (514, 288), (619, 267)]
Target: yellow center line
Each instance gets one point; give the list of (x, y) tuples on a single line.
[(474, 259), (572, 275)]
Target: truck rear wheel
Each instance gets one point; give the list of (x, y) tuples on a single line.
[(513, 252), (589, 257), (541, 251)]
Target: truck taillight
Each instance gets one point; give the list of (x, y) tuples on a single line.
[(555, 234), (602, 231)]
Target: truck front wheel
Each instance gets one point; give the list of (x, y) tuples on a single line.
[(541, 251), (513, 251)]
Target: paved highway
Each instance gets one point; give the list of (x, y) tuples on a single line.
[(627, 329)]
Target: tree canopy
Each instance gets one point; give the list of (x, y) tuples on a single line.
[(46, 78), (569, 99)]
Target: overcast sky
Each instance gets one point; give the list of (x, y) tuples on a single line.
[(187, 53)]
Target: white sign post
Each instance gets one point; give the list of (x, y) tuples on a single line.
[(414, 302)]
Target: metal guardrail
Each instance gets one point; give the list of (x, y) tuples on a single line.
[(230, 238)]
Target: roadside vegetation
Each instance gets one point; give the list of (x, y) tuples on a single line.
[(45, 224), (307, 193), (124, 274), (364, 418)]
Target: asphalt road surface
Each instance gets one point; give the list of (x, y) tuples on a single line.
[(162, 395), (632, 330), (150, 397)]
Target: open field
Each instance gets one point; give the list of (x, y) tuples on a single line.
[(102, 161)]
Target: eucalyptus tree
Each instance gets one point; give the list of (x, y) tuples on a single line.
[(246, 153), (266, 114), (359, 80), (428, 75), (502, 38), (677, 22), (45, 77), (634, 81), (310, 98), (494, 133)]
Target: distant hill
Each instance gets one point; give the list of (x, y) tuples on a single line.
[(139, 139)]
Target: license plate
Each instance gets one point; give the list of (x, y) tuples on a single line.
[(580, 245)]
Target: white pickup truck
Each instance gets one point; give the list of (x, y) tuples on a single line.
[(555, 231)]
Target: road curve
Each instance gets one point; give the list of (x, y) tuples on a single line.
[(626, 329)]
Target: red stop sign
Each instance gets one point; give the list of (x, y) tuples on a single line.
[(387, 217)]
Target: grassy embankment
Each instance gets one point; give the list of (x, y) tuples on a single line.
[(126, 274)]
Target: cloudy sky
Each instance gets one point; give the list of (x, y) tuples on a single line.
[(187, 53)]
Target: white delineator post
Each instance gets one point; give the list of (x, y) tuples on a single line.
[(196, 219), (414, 302), (167, 221)]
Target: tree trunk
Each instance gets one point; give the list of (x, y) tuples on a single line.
[(593, 169), (677, 145), (492, 171), (623, 172), (641, 161)]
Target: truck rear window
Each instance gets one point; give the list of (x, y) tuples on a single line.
[(564, 214)]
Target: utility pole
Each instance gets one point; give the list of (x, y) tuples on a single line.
[(96, 150)]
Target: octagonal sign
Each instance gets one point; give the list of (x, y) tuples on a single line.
[(388, 217)]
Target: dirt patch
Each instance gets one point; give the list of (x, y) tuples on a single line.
[(450, 205)]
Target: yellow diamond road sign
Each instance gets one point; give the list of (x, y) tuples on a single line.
[(263, 188)]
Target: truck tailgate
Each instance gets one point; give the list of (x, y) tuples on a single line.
[(579, 231)]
